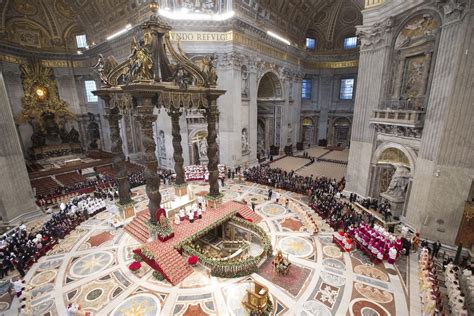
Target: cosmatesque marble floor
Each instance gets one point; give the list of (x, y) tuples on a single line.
[(90, 267)]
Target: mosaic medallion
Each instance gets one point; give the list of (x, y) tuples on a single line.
[(43, 277), (273, 210), (371, 272), (92, 263), (141, 304), (367, 308), (333, 263), (296, 246), (311, 308), (332, 279), (332, 251), (373, 294)]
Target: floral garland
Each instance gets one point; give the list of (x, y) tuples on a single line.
[(147, 253), (161, 231), (232, 269), (158, 276)]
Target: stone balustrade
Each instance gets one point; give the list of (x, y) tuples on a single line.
[(409, 118)]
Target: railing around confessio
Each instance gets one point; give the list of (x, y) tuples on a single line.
[(232, 268)]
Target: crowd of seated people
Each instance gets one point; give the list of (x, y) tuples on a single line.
[(376, 242), (290, 181), (61, 191), (21, 248), (460, 286), (200, 172)]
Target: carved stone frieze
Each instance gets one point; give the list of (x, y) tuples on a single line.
[(401, 131), (232, 59), (375, 35), (452, 9)]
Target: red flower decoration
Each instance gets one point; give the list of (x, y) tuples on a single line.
[(134, 266), (193, 260)]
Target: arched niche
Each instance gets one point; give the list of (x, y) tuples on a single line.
[(269, 108), (269, 86), (198, 147), (414, 52), (389, 158)]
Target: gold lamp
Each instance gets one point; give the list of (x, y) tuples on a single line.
[(154, 6), (40, 93)]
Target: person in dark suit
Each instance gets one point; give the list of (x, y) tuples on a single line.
[(436, 248)]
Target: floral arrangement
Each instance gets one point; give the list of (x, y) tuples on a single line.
[(137, 258), (158, 276), (162, 231), (147, 253), (135, 266)]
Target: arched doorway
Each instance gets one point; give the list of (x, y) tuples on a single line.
[(198, 147), (341, 132), (269, 103)]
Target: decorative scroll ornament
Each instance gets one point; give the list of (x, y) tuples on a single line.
[(103, 67), (452, 9), (41, 97), (373, 35)]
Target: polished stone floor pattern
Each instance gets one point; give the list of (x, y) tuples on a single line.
[(90, 267)]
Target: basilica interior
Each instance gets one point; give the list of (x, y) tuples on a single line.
[(237, 157)]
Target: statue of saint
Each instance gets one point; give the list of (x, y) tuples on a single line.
[(244, 140), (141, 64), (203, 148), (209, 69), (399, 182)]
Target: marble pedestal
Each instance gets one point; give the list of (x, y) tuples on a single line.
[(396, 204), (181, 189), (126, 211), (214, 202)]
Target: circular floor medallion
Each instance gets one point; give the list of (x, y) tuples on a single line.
[(92, 263), (141, 304), (332, 279), (310, 308), (334, 263), (332, 251), (43, 277), (94, 294), (273, 210), (296, 246)]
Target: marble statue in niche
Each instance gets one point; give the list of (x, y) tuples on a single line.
[(398, 184), (161, 141), (244, 84), (93, 132), (245, 141), (73, 136), (203, 149)]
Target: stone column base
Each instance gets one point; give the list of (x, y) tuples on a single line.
[(126, 210), (213, 201), (396, 204), (181, 189)]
